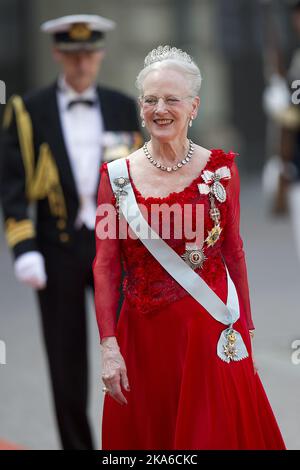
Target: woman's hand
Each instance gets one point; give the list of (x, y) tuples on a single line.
[(251, 333), (114, 373)]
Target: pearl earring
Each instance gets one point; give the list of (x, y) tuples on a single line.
[(191, 121), (143, 123)]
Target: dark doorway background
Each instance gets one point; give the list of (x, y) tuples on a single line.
[(14, 21)]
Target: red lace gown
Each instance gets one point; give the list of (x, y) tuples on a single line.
[(183, 396)]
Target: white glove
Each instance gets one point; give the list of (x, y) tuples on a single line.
[(114, 372), (30, 269), (276, 96)]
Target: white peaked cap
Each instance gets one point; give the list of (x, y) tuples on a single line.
[(63, 24)]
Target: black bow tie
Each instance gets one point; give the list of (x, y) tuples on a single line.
[(85, 102)]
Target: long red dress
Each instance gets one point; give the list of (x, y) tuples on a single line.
[(183, 396)]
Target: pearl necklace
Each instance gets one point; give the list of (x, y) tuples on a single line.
[(169, 168)]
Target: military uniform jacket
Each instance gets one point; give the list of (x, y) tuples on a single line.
[(35, 165)]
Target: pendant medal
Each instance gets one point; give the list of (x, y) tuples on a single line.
[(218, 191), (213, 235), (214, 214), (230, 346)]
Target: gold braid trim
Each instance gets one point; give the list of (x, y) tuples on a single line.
[(24, 128), (7, 115), (43, 181), (47, 183), (18, 231), (289, 118)]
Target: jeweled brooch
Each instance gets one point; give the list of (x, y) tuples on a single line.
[(120, 182)]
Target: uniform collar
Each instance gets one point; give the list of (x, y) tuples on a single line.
[(69, 94)]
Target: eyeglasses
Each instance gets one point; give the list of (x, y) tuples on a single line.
[(170, 101)]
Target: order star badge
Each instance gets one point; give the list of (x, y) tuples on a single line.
[(194, 256), (213, 235)]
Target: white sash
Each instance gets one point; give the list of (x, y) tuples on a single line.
[(230, 345)]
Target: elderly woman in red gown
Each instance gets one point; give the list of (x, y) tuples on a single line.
[(165, 385)]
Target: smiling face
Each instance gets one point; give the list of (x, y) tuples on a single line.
[(167, 105)]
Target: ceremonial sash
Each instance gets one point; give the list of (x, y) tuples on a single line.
[(230, 345)]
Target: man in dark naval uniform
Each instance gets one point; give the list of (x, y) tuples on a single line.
[(53, 143)]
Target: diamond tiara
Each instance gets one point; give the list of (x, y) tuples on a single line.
[(166, 52)]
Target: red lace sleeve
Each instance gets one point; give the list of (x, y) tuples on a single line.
[(232, 247), (107, 262)]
